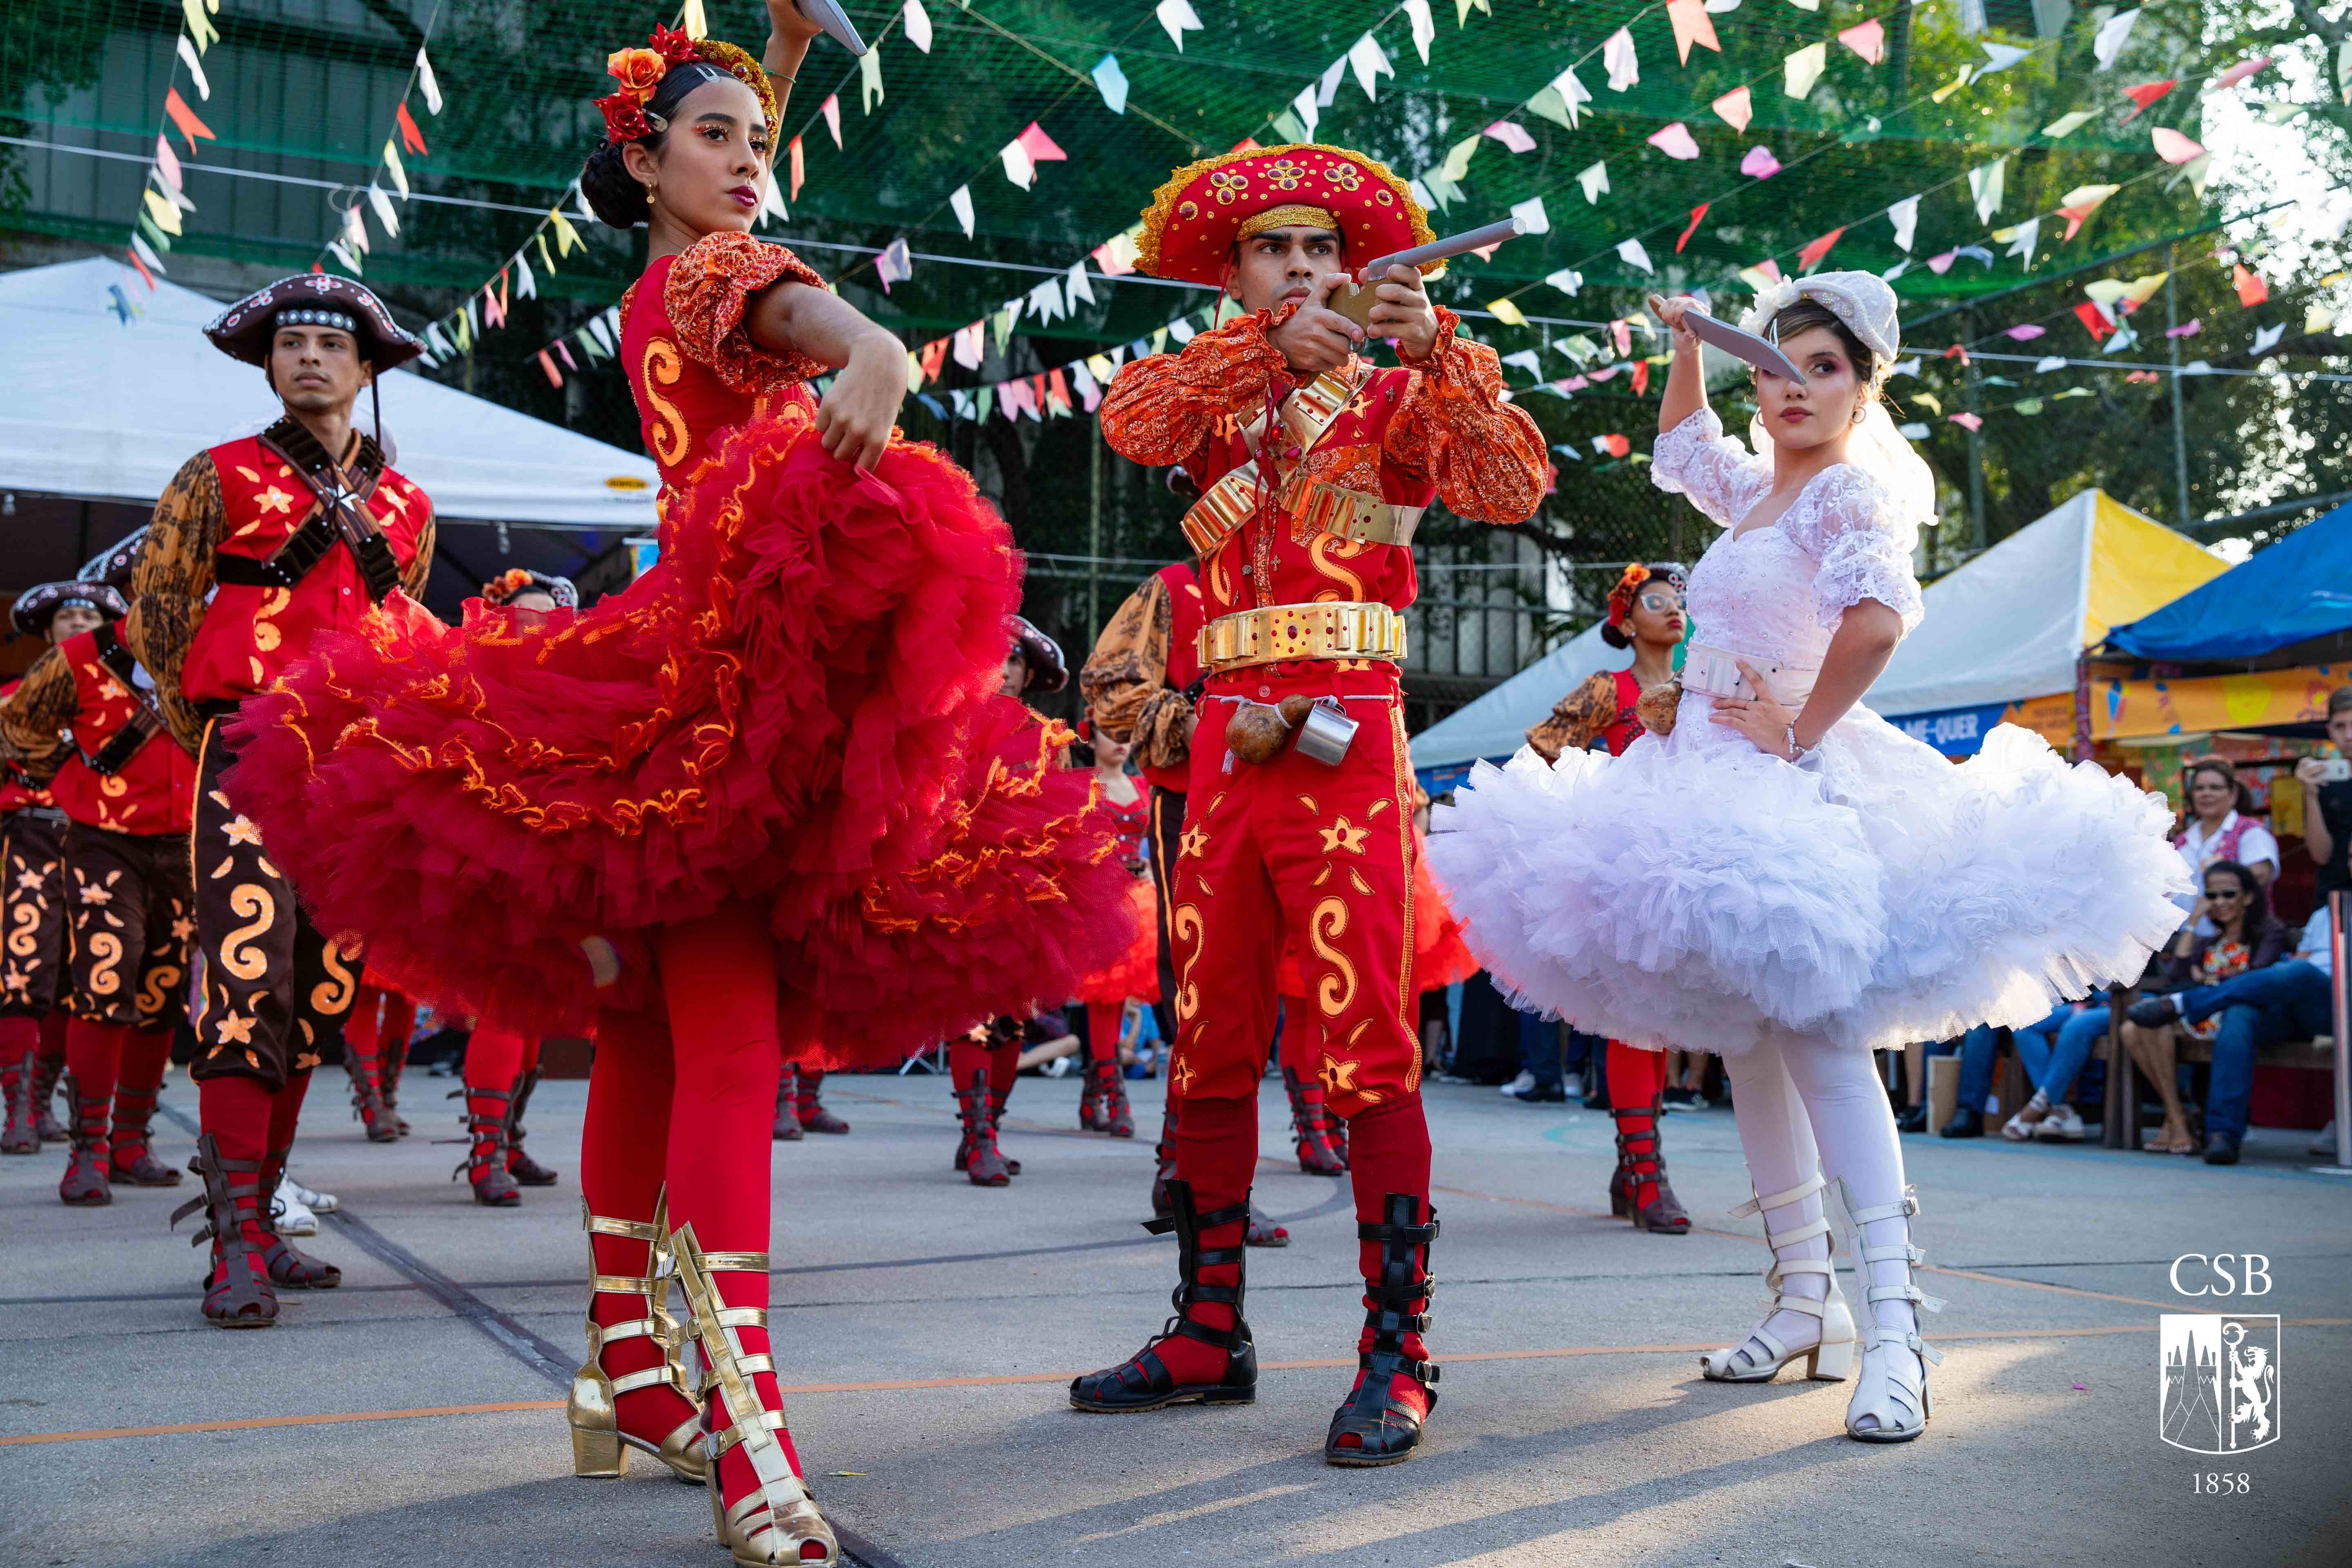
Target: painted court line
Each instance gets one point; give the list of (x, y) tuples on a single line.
[(1009, 1379)]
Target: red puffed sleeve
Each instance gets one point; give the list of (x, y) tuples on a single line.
[(710, 286), (1486, 456), (1163, 409)]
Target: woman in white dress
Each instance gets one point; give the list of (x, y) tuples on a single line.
[(1779, 874)]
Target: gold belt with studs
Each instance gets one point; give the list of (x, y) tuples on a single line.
[(1279, 632)]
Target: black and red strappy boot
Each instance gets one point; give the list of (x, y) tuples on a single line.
[(807, 1110), (1163, 1206), (996, 1098), (291, 1267), (237, 1292), (1208, 1338), (526, 1170), (1638, 1190), (133, 1156), (391, 1057), (367, 1097), (21, 1136), (1090, 1098), (1379, 1423), (787, 1129), (1109, 1088), (485, 1165), (85, 1185), (45, 1073), (977, 1155), (1310, 1128)]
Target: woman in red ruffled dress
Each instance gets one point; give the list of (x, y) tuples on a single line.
[(1126, 811), (755, 807)]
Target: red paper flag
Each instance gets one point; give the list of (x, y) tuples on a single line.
[(798, 174), (1246, 145), (1640, 377), (2252, 289), (1691, 26), (1697, 213), (411, 138), (934, 355), (1061, 388), (1038, 145), (186, 119), (1616, 444), (1810, 257), (2095, 322), (506, 298), (2146, 93), (1036, 384), (548, 366), (1958, 352), (142, 269)]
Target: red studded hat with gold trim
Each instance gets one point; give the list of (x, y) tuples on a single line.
[(1206, 209)]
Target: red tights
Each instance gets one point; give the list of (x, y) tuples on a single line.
[(116, 1064), (685, 1098), (248, 1121), (1636, 1078), (966, 1057), (495, 1061), (19, 1037), (1103, 1021)]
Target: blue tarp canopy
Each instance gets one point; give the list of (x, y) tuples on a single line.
[(2294, 591)]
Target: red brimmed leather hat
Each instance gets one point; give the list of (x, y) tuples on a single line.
[(1206, 209), (313, 299)]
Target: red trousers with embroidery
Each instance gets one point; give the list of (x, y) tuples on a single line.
[(1322, 855)]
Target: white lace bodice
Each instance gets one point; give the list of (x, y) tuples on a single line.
[(1779, 592)]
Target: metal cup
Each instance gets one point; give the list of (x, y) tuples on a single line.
[(1325, 732)]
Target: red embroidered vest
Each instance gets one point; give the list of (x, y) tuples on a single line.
[(154, 792)]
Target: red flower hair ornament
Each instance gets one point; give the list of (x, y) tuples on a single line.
[(640, 72), (1621, 597)]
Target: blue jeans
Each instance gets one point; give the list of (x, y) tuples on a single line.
[(2054, 1049), (1540, 1050), (2286, 1002), (1976, 1049)]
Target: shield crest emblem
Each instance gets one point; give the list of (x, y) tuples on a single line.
[(2218, 1390)]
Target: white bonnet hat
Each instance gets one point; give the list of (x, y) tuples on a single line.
[(1861, 300)]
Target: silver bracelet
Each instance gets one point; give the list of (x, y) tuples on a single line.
[(1796, 752)]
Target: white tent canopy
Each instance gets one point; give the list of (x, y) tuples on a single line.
[(1496, 725), (97, 407)]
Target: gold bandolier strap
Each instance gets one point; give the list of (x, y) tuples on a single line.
[(1282, 632), (1307, 416)]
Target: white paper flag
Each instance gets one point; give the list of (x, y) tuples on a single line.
[(1369, 61), (1531, 213), (1017, 166), (195, 70), (1566, 281), (1329, 88), (2267, 338), (918, 26), (1424, 28), (1985, 186), (1562, 99), (1629, 251), (525, 284), (961, 203), (1077, 286), (381, 204), (1595, 180), (967, 345), (1905, 215), (1617, 54), (1802, 68), (2109, 43), (1178, 17), (1307, 109), (2023, 238), (425, 83)]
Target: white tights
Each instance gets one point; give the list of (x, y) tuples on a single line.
[(1802, 1104)]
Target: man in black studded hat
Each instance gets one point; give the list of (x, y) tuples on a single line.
[(257, 546)]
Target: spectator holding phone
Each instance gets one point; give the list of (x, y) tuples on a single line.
[(2327, 798)]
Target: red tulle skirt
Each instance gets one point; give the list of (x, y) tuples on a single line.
[(794, 709), (1136, 972)]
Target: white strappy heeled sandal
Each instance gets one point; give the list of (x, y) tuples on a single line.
[(1893, 1389), (1828, 1360)]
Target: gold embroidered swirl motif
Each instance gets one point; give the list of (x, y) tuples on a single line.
[(253, 901), (1334, 992), (1322, 551), (102, 981), (1185, 927), (663, 367), (334, 993), (155, 988), (24, 941)]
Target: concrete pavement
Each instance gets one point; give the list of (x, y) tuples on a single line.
[(927, 1328)]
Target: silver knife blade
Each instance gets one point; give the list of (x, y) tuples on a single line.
[(836, 21)]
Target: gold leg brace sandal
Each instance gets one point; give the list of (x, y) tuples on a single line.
[(600, 1448), (770, 1523)]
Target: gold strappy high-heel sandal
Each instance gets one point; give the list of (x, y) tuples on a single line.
[(600, 1448), (770, 1523)]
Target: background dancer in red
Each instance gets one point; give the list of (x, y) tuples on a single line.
[(1316, 468), (256, 547), (125, 786), (761, 799), (32, 898), (1645, 613), (1126, 808), (375, 1048)]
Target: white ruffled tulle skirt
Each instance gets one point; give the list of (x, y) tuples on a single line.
[(1696, 893)]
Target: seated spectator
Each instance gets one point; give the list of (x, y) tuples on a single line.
[(2222, 826), (2286, 1001), (1976, 1049), (2053, 1052), (2238, 935)]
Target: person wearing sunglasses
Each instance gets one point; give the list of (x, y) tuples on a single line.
[(2230, 932)]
